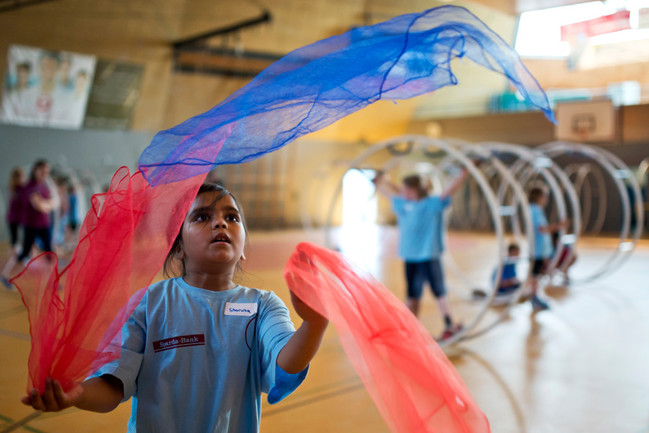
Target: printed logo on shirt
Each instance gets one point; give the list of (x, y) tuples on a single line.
[(240, 308), (180, 341)]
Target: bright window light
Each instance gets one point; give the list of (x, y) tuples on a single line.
[(539, 32)]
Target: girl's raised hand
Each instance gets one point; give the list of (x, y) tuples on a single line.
[(53, 399), (307, 313)]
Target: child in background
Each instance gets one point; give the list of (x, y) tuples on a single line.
[(538, 198), (14, 208), (566, 260), (71, 232), (61, 215), (509, 281), (199, 349), (420, 221), (14, 218)]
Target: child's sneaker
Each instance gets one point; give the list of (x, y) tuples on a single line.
[(7, 284), (538, 304), (450, 331), (478, 294)]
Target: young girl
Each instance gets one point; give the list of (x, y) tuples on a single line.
[(419, 217), (199, 350), (14, 218)]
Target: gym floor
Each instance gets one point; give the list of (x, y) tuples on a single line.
[(583, 366)]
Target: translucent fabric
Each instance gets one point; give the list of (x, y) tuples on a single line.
[(412, 382), (316, 85), (76, 316)]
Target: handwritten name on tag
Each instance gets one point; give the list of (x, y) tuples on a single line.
[(240, 308)]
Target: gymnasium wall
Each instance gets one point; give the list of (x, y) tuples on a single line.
[(554, 74), (631, 143), (141, 31), (532, 128)]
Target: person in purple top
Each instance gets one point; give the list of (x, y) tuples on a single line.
[(37, 205), (14, 218)]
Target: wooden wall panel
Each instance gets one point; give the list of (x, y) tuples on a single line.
[(141, 31), (554, 74)]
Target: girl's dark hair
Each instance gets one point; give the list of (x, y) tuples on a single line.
[(38, 164), (169, 268), (414, 181)]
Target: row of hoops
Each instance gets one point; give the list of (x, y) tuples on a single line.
[(503, 173)]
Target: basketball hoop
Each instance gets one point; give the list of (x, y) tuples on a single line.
[(586, 121), (583, 124)]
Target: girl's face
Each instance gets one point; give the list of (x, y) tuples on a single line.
[(213, 234), (410, 193)]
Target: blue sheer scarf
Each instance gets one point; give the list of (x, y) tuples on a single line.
[(314, 86)]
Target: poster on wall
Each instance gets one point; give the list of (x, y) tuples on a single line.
[(46, 88)]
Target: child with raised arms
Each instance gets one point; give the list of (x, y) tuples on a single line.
[(419, 217), (199, 349)]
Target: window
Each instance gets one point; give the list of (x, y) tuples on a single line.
[(539, 32)]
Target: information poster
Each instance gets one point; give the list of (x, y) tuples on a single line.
[(46, 88)]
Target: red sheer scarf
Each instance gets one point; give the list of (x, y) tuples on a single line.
[(412, 382), (76, 316)]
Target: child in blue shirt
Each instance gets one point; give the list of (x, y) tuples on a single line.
[(419, 217), (538, 198), (509, 281), (199, 350)]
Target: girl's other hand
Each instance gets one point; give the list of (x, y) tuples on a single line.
[(53, 399)]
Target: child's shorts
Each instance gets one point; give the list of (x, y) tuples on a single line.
[(539, 267), (503, 291), (417, 273)]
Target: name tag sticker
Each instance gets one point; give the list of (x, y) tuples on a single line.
[(240, 308)]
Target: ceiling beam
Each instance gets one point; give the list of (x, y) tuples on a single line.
[(10, 5), (264, 17)]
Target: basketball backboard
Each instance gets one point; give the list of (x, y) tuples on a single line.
[(585, 121)]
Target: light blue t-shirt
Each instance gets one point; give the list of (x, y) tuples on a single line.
[(542, 241), (420, 226), (195, 360)]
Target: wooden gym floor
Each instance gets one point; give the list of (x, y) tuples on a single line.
[(581, 367)]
